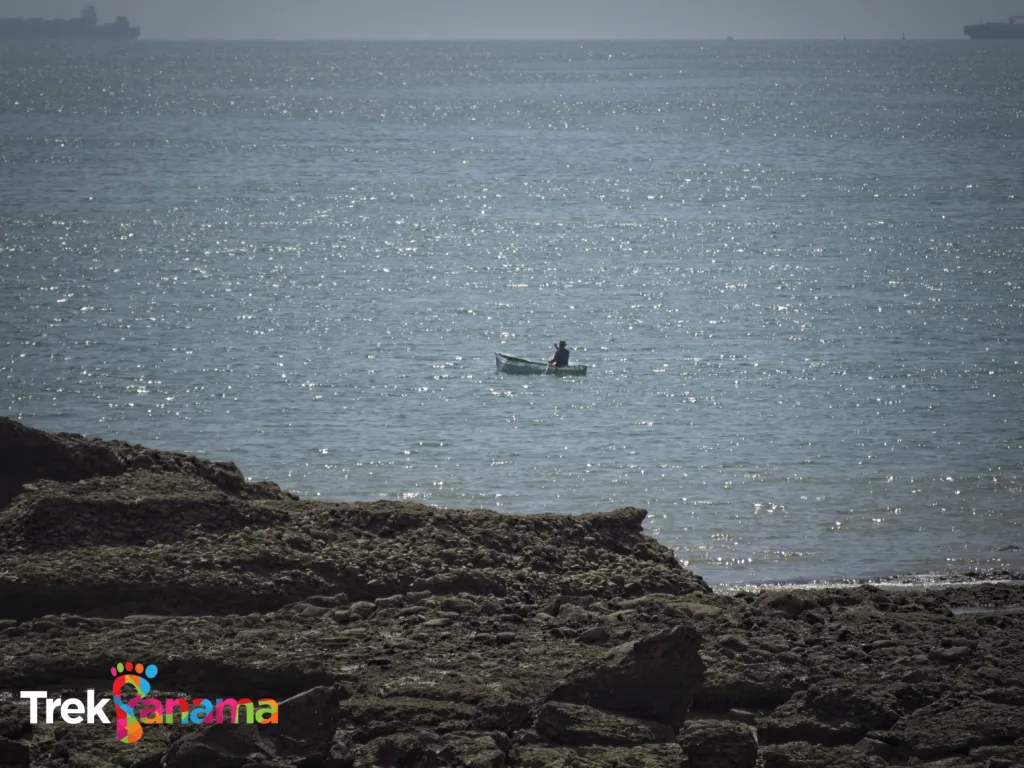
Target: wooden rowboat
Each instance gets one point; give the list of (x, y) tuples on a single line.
[(522, 367)]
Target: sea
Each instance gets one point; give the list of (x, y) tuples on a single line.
[(793, 270)]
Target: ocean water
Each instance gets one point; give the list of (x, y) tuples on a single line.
[(794, 270)]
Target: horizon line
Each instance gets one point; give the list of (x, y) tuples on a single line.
[(730, 39)]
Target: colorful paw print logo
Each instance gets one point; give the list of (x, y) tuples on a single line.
[(129, 729)]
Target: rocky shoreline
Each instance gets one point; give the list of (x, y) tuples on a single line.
[(401, 635)]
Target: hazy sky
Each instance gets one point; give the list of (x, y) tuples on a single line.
[(533, 19)]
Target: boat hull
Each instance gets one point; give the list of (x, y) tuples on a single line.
[(995, 31), (518, 366)]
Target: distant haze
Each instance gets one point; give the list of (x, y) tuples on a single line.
[(533, 19)]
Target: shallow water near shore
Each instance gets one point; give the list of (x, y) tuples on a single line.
[(793, 270)]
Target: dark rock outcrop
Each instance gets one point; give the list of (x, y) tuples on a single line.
[(719, 744), (653, 678), (401, 635), (578, 725)]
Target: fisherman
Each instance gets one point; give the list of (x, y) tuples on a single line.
[(561, 358)]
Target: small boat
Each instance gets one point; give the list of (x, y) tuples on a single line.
[(517, 365)]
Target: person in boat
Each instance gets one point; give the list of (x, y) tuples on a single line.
[(561, 358)]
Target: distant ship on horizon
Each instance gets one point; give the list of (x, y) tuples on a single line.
[(997, 30), (85, 27)]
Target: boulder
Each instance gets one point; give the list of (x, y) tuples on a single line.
[(579, 725), (306, 724), (718, 744), (799, 754), (653, 678), (223, 745), (954, 725), (830, 713)]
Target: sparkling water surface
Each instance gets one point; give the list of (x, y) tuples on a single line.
[(793, 269)]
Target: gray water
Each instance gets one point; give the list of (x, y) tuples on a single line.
[(793, 269)]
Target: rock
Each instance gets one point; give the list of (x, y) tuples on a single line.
[(736, 643), (653, 678), (237, 588), (14, 753), (830, 713), (342, 751), (742, 716), (370, 717), (223, 745), (306, 724), (28, 455), (952, 655), (578, 725), (472, 751), (501, 712), (718, 744), (399, 749), (647, 756), (457, 605), (954, 725), (749, 685), (802, 755), (362, 609), (595, 635), (785, 603), (874, 747)]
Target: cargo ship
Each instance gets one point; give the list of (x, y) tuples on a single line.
[(85, 27), (997, 30)]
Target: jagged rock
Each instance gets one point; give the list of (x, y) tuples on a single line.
[(342, 751), (800, 754), (874, 747), (371, 717), (245, 549), (646, 756), (501, 712), (14, 722), (418, 749), (306, 724), (579, 725), (223, 745), (954, 725), (28, 455), (997, 756), (830, 713), (653, 678), (754, 685), (239, 589), (718, 744), (473, 751), (786, 603)]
